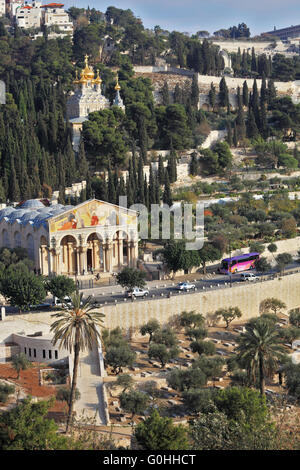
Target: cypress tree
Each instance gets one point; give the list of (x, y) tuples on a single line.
[(253, 61), (152, 193), (263, 92), (194, 164), (165, 94), (235, 135), (177, 94), (167, 196), (14, 190), (252, 130), (245, 94), (263, 122), (89, 193), (129, 193), (140, 187), (223, 94), (161, 170), (146, 193), (271, 93), (82, 163), (229, 135), (111, 188), (195, 92), (240, 120), (212, 96), (157, 190), (172, 167)]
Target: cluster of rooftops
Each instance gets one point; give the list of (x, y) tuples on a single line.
[(32, 212)]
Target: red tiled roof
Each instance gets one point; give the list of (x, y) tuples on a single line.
[(53, 5)]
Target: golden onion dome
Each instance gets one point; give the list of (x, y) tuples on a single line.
[(83, 79), (97, 80), (88, 71), (117, 87), (76, 81)]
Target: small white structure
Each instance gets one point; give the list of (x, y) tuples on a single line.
[(2, 7)]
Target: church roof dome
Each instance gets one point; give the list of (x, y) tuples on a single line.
[(31, 204)]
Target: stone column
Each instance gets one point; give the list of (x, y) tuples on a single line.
[(65, 257), (128, 253), (96, 254), (57, 261), (70, 258), (120, 252), (44, 268), (84, 259), (53, 260), (78, 258), (41, 259), (108, 259), (104, 249), (49, 260), (133, 253)]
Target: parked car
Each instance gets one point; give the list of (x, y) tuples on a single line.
[(138, 292), (249, 277), (58, 303), (185, 286)]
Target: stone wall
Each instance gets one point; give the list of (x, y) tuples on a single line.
[(134, 314), (7, 351), (163, 69), (245, 296)]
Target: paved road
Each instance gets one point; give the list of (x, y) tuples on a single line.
[(158, 289)]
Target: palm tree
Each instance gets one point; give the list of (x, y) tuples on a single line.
[(259, 350), (20, 362), (75, 330)]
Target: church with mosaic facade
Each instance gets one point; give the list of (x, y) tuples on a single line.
[(94, 236)]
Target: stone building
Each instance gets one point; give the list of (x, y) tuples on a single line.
[(94, 236), (35, 15)]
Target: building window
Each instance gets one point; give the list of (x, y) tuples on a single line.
[(29, 352), (44, 353), (25, 349), (34, 353), (50, 354), (56, 354)]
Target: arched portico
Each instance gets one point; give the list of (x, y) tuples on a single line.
[(120, 249), (68, 255), (94, 253)]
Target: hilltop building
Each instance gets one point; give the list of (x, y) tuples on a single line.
[(87, 98), (285, 33), (94, 236), (36, 15)]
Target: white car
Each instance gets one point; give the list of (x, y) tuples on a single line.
[(138, 292), (185, 286), (249, 277), (58, 303)]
